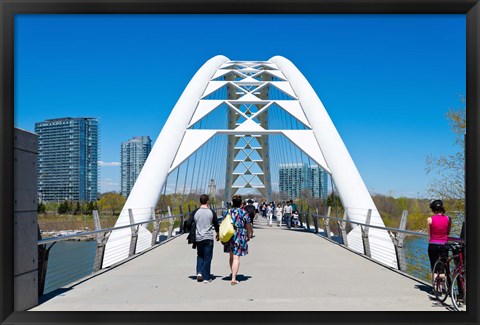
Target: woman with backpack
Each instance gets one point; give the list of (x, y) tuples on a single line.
[(238, 245)]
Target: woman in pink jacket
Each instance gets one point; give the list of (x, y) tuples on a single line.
[(438, 228)]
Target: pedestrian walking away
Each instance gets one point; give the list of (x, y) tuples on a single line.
[(238, 244), (206, 221), (288, 214), (270, 214), (250, 209), (279, 214)]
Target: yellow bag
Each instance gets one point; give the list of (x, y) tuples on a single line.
[(226, 229)]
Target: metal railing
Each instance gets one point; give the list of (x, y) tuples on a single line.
[(70, 257), (411, 247), (66, 258)]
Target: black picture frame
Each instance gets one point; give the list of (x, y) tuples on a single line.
[(9, 8)]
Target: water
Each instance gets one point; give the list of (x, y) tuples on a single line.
[(69, 261), (416, 257)]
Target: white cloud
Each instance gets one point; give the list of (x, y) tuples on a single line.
[(108, 164), (108, 185)]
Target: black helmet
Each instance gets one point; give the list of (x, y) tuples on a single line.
[(436, 205)]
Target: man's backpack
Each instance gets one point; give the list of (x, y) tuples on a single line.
[(250, 210)]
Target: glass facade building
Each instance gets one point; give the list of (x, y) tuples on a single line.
[(295, 177), (68, 159), (134, 153)]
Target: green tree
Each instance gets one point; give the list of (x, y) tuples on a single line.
[(89, 207), (449, 185), (63, 208), (77, 208), (111, 201), (41, 208)]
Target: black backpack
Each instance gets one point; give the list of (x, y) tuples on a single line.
[(250, 210)]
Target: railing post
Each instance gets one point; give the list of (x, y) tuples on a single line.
[(343, 227), (398, 242), (181, 219), (315, 221), (327, 222), (300, 218), (43, 253), (170, 220), (133, 240), (101, 242), (307, 219), (366, 243), (156, 228)]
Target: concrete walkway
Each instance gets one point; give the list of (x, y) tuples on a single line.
[(284, 270)]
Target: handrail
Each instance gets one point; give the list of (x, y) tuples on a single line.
[(422, 234), (94, 232), (66, 237)]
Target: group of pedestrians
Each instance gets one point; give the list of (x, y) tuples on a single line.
[(287, 212), (205, 221)]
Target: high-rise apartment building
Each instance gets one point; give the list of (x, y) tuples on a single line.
[(295, 177), (134, 152), (68, 159)]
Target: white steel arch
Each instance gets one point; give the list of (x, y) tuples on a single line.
[(351, 188), (147, 189), (248, 84)]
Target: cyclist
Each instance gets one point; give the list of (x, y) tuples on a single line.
[(439, 226)]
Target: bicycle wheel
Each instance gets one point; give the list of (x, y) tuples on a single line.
[(458, 291), (440, 281)]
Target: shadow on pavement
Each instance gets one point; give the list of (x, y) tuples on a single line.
[(52, 294)]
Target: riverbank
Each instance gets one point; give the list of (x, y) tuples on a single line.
[(62, 233)]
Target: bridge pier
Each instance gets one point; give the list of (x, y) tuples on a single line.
[(25, 231)]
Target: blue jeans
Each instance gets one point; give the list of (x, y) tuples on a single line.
[(287, 220), (204, 257)]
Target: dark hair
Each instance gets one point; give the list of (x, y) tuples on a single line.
[(249, 201), (437, 206), (203, 199), (237, 201)]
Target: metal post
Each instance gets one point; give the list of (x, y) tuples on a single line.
[(366, 243), (101, 242), (343, 227), (156, 228), (307, 218), (315, 223), (43, 253), (170, 220), (133, 240), (327, 222), (300, 218), (181, 219), (397, 239)]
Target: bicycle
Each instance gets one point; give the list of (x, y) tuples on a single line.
[(458, 288), (447, 282)]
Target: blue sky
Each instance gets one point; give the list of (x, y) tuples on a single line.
[(386, 80)]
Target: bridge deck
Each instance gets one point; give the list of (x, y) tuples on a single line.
[(285, 270)]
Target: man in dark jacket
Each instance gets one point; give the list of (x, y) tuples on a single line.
[(205, 220), (250, 209)]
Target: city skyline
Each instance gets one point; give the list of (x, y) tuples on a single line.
[(386, 84)]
